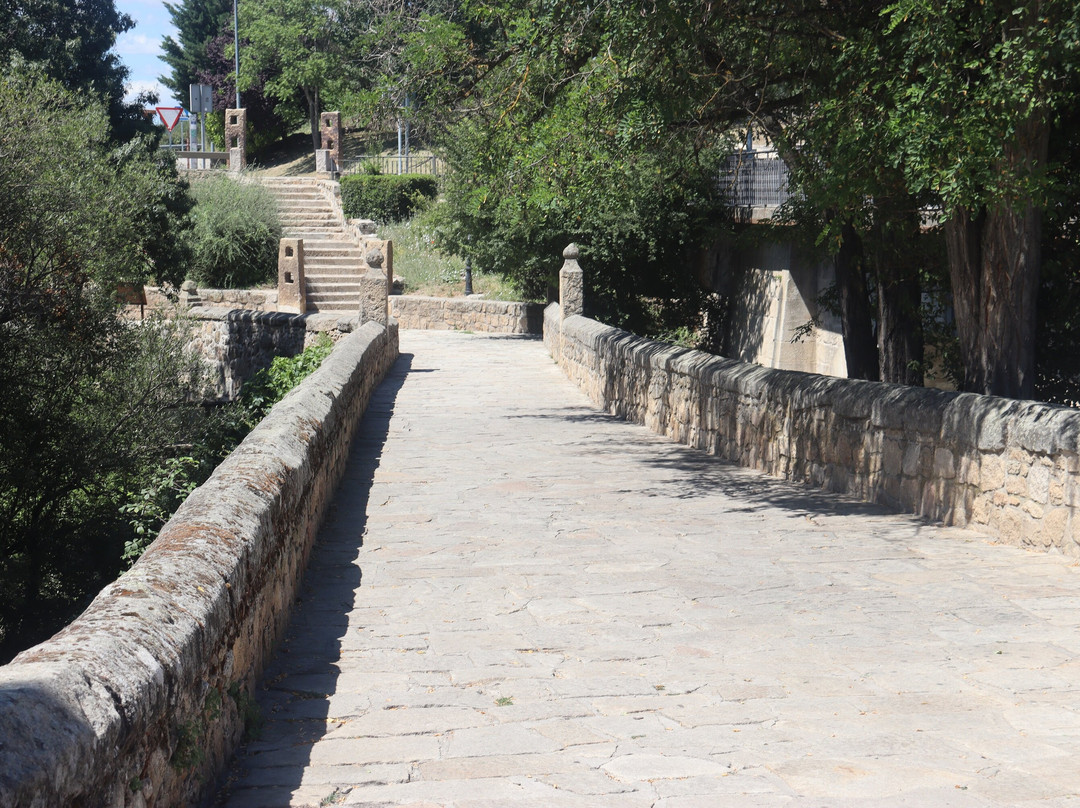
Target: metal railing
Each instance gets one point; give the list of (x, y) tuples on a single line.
[(395, 164), (755, 179)]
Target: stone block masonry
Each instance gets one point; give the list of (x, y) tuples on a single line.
[(466, 314), (1007, 468), (236, 344), (141, 700)]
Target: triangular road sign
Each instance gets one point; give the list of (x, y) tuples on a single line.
[(170, 116)]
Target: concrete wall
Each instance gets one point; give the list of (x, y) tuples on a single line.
[(1007, 468), (773, 291), (466, 314), (140, 701)]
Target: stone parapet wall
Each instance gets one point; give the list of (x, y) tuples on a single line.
[(141, 700), (237, 343), (466, 314), (250, 299), (1006, 468)]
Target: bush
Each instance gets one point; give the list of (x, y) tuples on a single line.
[(385, 197), (235, 234)]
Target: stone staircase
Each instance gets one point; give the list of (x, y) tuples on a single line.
[(333, 256)]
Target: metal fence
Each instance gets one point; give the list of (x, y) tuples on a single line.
[(755, 179), (394, 164)]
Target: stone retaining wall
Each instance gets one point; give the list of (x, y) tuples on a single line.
[(141, 700), (466, 314), (1007, 468)]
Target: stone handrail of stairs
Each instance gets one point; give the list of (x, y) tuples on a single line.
[(334, 247)]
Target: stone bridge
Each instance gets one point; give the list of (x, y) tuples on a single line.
[(519, 591)]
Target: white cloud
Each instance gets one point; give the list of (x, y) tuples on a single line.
[(165, 97), (130, 44)]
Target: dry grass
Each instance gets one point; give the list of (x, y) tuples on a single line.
[(426, 271)]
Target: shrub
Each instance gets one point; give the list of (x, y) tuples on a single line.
[(235, 234), (385, 197)]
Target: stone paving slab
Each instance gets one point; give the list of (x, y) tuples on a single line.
[(520, 601)]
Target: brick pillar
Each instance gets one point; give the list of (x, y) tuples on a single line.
[(374, 292), (236, 138), (571, 284), (330, 130), (292, 294)]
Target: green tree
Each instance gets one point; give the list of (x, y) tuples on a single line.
[(197, 23), (89, 400), (975, 94), (399, 55), (71, 41), (295, 50), (557, 138), (851, 191)]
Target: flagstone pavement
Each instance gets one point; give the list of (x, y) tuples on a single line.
[(518, 600)]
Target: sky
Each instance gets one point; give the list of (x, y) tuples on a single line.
[(140, 48)]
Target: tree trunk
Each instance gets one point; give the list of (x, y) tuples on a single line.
[(860, 352), (900, 343), (311, 97), (994, 256), (899, 297)]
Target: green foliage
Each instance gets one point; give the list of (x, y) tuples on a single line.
[(565, 131), (251, 715), (425, 270), (385, 197), (71, 43), (267, 387), (151, 506), (163, 487), (521, 192), (235, 234), (197, 22), (104, 214), (89, 401)]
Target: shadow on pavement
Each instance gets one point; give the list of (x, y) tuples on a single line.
[(696, 473), (294, 695)]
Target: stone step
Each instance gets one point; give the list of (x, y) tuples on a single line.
[(303, 201), (323, 290), (314, 250), (308, 215), (315, 233), (313, 226), (334, 306), (349, 298), (289, 212), (339, 263)]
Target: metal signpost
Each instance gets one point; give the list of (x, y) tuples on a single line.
[(202, 102)]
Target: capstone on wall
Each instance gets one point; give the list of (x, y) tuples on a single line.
[(141, 700), (1008, 468)]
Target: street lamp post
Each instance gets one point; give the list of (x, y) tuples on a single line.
[(236, 49)]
